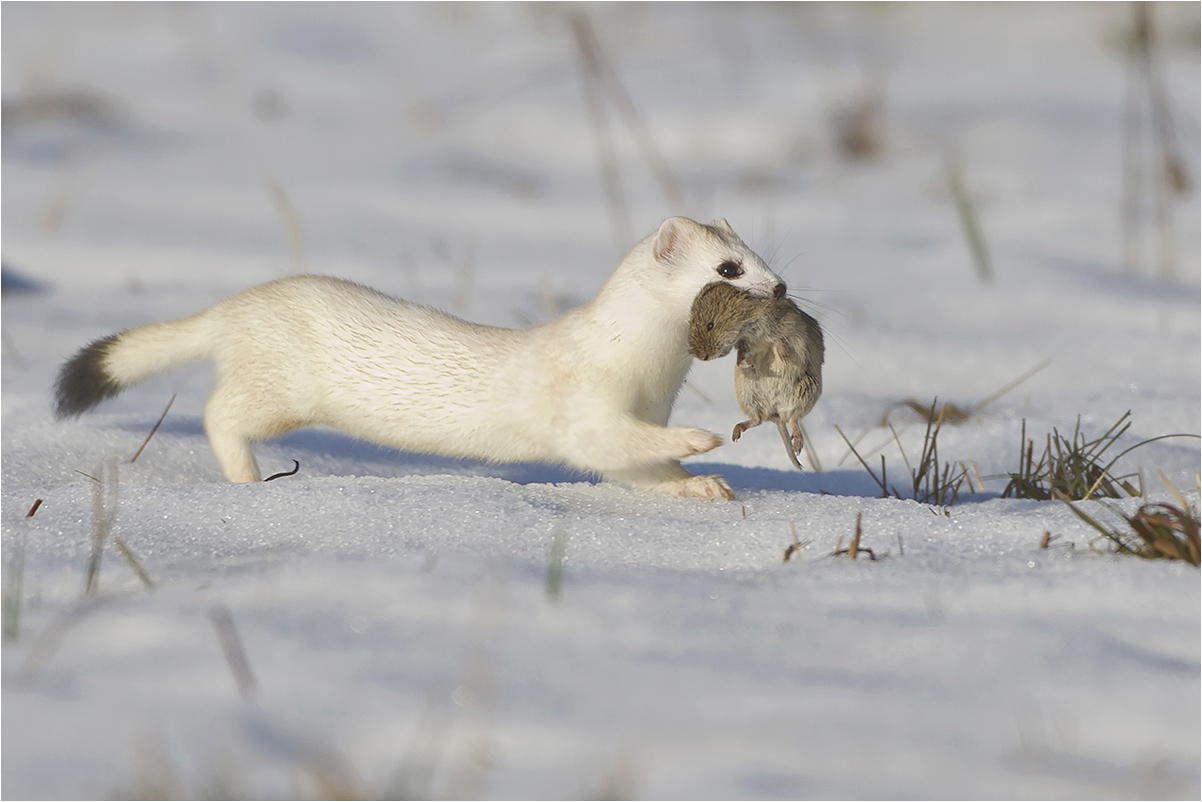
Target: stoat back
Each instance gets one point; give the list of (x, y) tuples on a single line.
[(592, 390)]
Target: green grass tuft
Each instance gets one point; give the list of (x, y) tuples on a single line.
[(1071, 469), (930, 482)]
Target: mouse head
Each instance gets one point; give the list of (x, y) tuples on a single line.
[(721, 313)]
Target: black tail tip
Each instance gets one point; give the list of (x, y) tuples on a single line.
[(83, 382)]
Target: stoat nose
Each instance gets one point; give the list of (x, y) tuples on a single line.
[(778, 291)]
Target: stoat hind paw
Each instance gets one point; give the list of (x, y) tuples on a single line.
[(711, 487)]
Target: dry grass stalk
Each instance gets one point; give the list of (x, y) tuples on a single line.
[(605, 74), (555, 559), (948, 413), (854, 548), (599, 78), (1067, 468), (930, 482), (1154, 531), (6, 342), (852, 444), (104, 510), (970, 225), (811, 452), (1170, 178), (292, 223), (13, 594), (47, 642), (952, 413), (468, 765), (235, 654), (594, 101), (465, 275), (134, 563), (157, 424), (414, 777), (795, 546)]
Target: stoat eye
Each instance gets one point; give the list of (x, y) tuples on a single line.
[(709, 326), (729, 270)]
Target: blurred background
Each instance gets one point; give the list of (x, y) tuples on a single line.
[(1008, 177), (317, 135)]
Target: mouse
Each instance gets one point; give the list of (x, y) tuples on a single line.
[(778, 374)]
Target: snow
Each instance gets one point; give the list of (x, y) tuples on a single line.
[(401, 615)]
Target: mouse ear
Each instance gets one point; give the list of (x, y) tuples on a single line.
[(671, 238)]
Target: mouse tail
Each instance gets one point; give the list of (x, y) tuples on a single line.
[(784, 436)]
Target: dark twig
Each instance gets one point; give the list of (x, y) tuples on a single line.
[(281, 474), (157, 424)]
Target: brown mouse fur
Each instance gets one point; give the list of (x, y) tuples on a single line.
[(778, 376)]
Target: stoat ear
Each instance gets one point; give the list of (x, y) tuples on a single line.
[(722, 225), (671, 239)]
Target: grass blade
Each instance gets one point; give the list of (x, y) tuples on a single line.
[(969, 224), (157, 424), (134, 563)]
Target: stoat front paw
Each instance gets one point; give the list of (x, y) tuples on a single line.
[(711, 487), (696, 441)]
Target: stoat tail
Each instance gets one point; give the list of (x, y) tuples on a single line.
[(107, 366)]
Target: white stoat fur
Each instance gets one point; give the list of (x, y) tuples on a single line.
[(592, 389)]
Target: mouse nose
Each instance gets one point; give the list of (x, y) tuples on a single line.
[(778, 291)]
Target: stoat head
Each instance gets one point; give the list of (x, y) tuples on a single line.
[(693, 255)]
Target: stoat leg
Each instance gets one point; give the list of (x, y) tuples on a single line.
[(225, 426), (628, 443), (671, 478), (234, 418)]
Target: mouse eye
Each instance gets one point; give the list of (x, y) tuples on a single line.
[(709, 326), (729, 270)]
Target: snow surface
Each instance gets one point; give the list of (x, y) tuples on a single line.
[(401, 615)]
